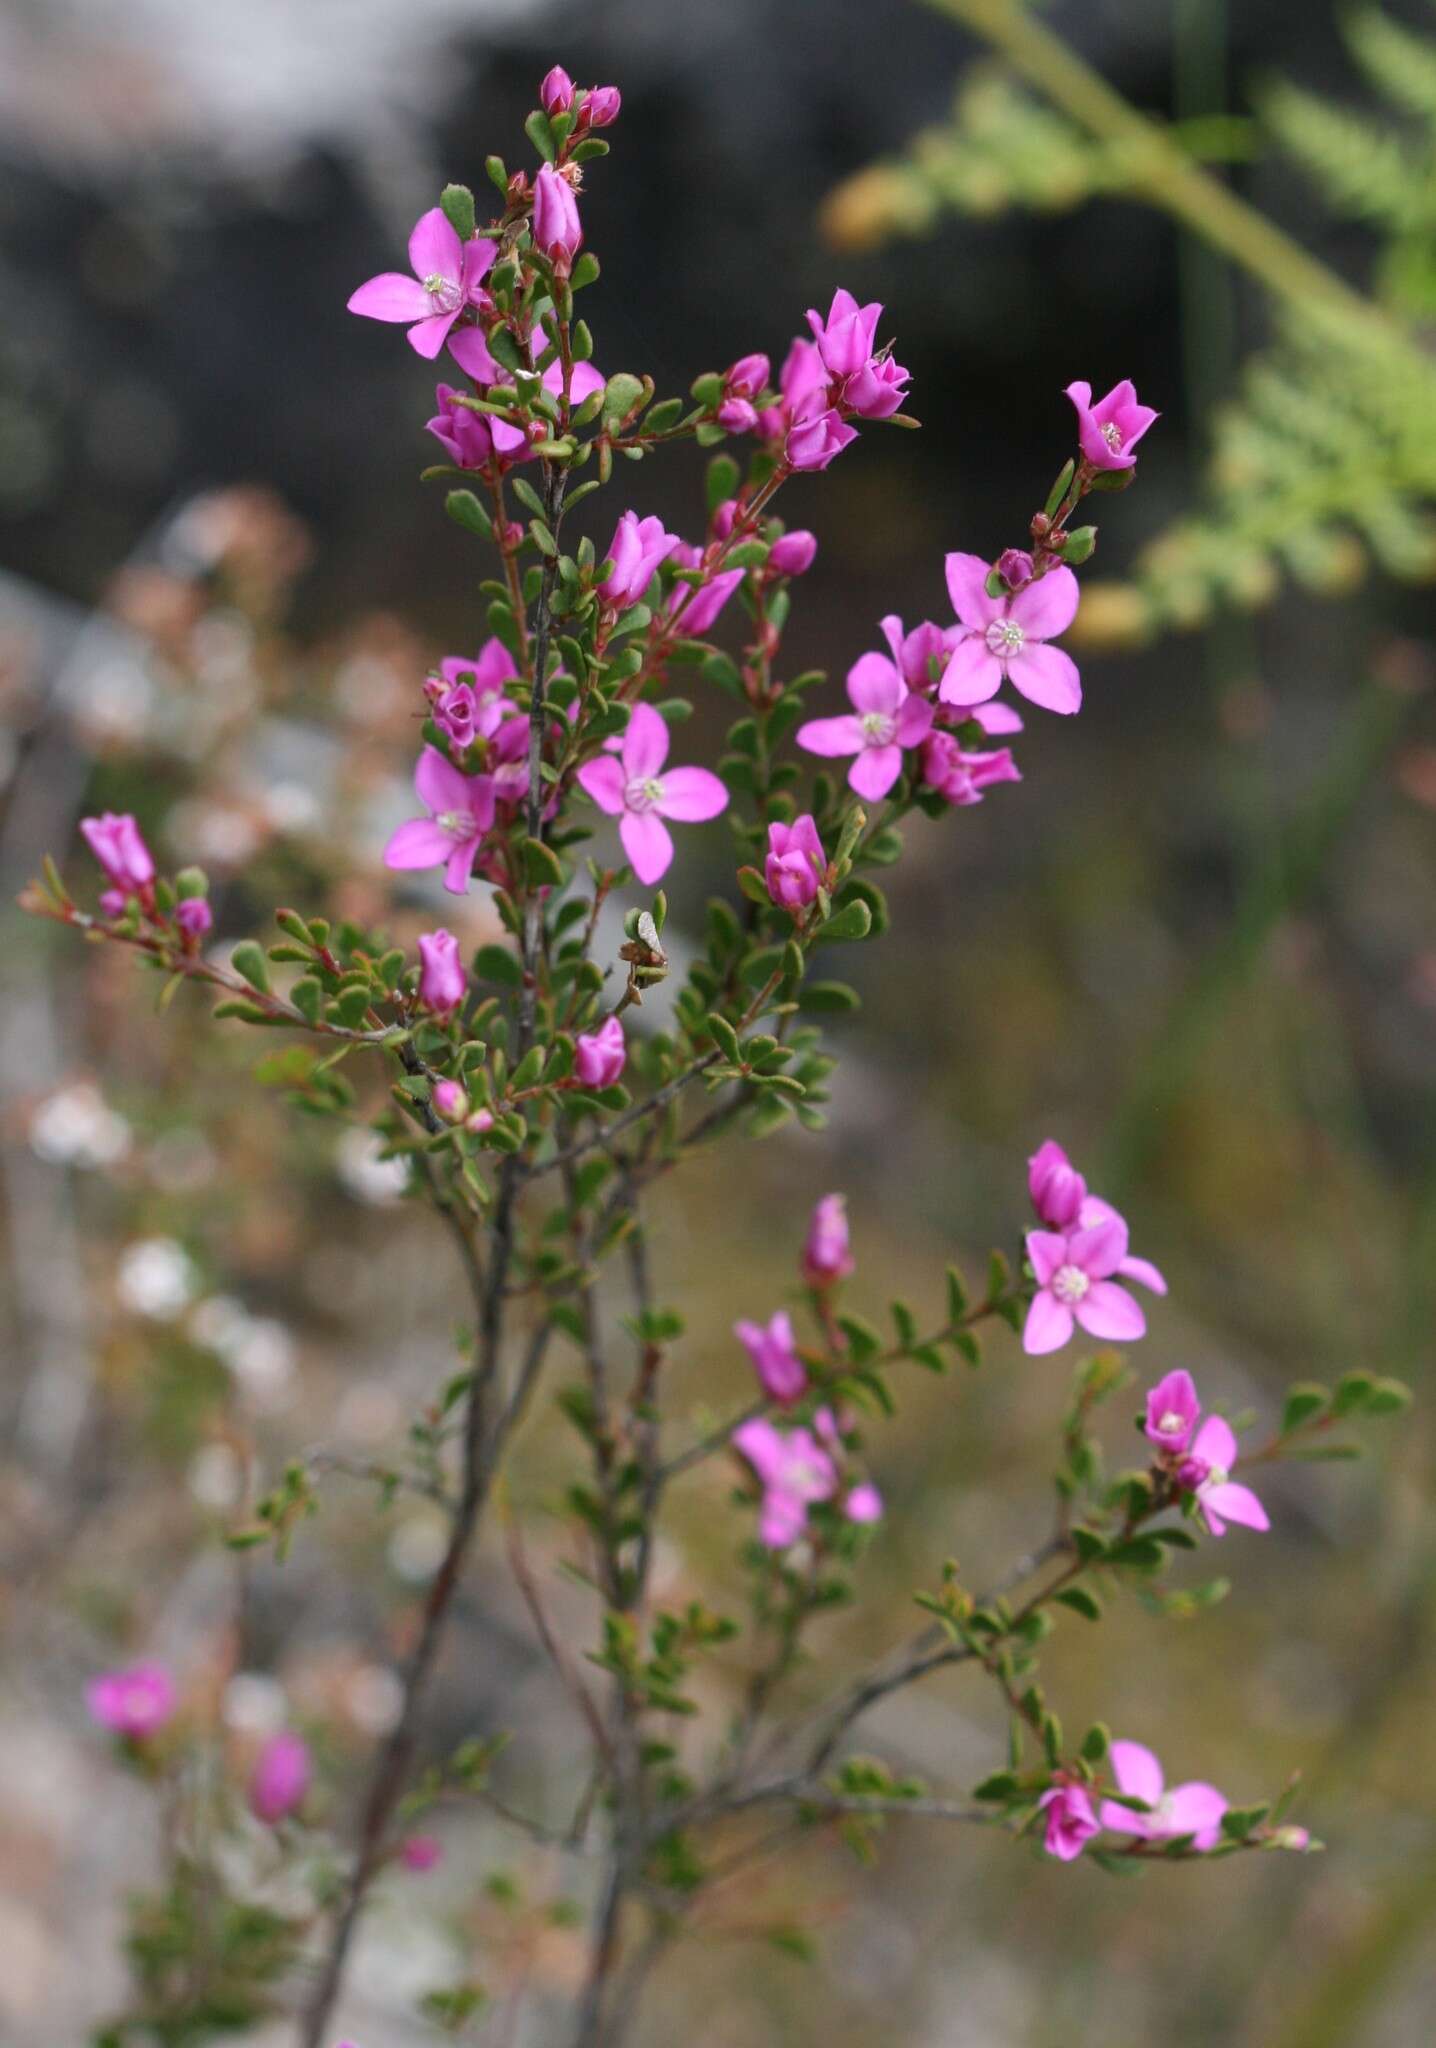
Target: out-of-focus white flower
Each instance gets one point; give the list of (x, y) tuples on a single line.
[(254, 1704), (416, 1548), (258, 1350), (378, 1182), (216, 1478), (375, 1699), (114, 701), (291, 807), (156, 1277), (77, 1127)]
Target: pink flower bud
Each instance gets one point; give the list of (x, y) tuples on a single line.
[(1055, 1186), (813, 443), (864, 1503), (747, 376), (602, 105), (827, 1255), (194, 917), (557, 230), (694, 611), (482, 1120), (795, 864), (421, 1852), (281, 1778), (135, 1702), (114, 839), (637, 548), (773, 1350), (1014, 566), (113, 902), (793, 554), (442, 981), (556, 92), (600, 1055), (1071, 1822), (723, 517), (450, 1101), (737, 415)]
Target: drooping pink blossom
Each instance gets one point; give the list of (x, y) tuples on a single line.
[(886, 718), (1071, 1822), (1109, 430), (635, 788), (793, 554), (1172, 1411), (557, 230), (462, 808), (794, 1471), (774, 1352), (815, 440), (1206, 1471), (599, 1056), (827, 1250), (443, 983), (1007, 638), (1075, 1286), (864, 380), (473, 439), (194, 918), (1192, 1809), (421, 1852), (964, 777), (636, 550), (448, 278), (118, 845), (692, 611), (796, 863), (556, 91), (135, 1702), (1056, 1187), (281, 1777)]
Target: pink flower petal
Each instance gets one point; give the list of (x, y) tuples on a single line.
[(648, 844), (419, 844), (1234, 1503), (391, 296), (434, 247), (1144, 1273), (429, 336), (645, 743), (967, 587), (459, 871), (604, 781), (914, 721), (441, 785), (832, 736), (973, 673), (875, 685), (1137, 1771), (1215, 1443), (1099, 1248), (1047, 1250), (875, 771), (470, 351), (1047, 607), (1045, 676), (1195, 1809), (691, 794), (1107, 1310), (1048, 1326)]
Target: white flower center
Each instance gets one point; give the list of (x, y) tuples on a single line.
[(456, 823), (1217, 1475), (444, 292), (642, 793), (1005, 638), (878, 728), (1070, 1284), (1112, 435), (1171, 1423)]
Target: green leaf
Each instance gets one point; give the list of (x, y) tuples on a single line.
[(540, 134), (828, 996), (466, 511), (1240, 1821), (527, 1072), (458, 204), (1060, 489), (497, 963), (853, 921), (1302, 1402), (621, 395), (248, 959), (1096, 1742), (1001, 1785), (1081, 1602)]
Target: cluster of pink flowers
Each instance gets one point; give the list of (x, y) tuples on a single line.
[(118, 845), (1199, 1461), (837, 376), (1193, 1809), (1075, 1259)]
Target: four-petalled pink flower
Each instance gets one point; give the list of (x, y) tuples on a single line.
[(886, 717), (1192, 1809), (462, 808), (794, 1471), (448, 277), (1008, 638), (635, 788), (1109, 430), (1075, 1286)]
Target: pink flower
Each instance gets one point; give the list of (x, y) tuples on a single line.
[(1075, 1284), (472, 439), (1071, 1822), (135, 1702), (738, 415), (470, 350), (794, 1471), (421, 1852), (637, 548), (1206, 1471), (1192, 1809), (796, 863), (827, 1254), (773, 1350), (1094, 1211), (442, 981), (1007, 638), (557, 230), (747, 377), (447, 278), (556, 91), (869, 384), (450, 1101), (632, 788), (885, 719), (693, 610), (194, 918), (1109, 430), (281, 1778), (599, 1056), (602, 105), (468, 697), (115, 841), (963, 778), (1056, 1187), (463, 810), (915, 653), (1172, 1411), (723, 518), (793, 554), (864, 1503), (813, 442)]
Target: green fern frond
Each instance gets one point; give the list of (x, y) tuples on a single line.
[(1399, 63), (1366, 172)]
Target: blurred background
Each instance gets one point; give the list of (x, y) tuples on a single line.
[(1197, 946)]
